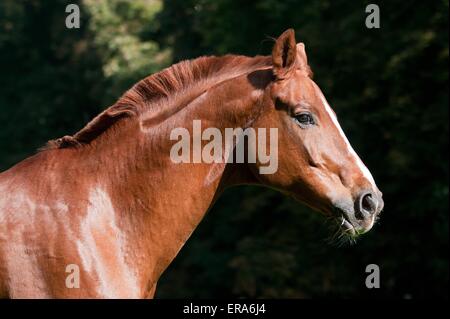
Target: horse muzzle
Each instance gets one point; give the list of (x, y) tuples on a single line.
[(360, 216)]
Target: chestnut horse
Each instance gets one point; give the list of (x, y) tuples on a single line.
[(109, 205)]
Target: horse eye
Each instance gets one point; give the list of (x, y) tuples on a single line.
[(304, 119)]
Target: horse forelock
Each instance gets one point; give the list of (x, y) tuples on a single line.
[(161, 87)]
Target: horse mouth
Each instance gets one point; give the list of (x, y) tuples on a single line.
[(351, 230), (348, 228)]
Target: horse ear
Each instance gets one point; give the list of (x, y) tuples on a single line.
[(284, 54), (301, 55), (302, 59)]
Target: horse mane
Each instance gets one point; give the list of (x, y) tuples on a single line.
[(204, 71)]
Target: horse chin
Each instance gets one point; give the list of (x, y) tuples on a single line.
[(344, 230), (348, 228)]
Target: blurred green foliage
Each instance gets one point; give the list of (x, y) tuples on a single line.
[(389, 87)]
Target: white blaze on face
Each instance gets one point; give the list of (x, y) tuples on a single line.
[(366, 173)]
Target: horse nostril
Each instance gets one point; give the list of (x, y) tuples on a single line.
[(368, 203)]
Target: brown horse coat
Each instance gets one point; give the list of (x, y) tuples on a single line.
[(109, 200)]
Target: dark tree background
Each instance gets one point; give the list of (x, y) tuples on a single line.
[(389, 87)]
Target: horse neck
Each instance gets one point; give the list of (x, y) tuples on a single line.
[(160, 203)]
